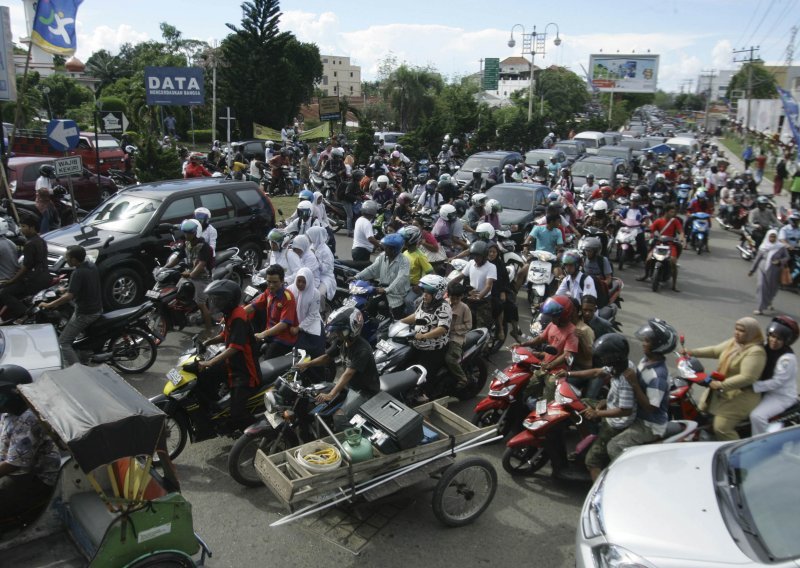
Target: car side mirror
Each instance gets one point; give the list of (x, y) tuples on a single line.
[(164, 228)]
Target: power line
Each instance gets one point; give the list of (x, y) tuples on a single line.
[(747, 27), (777, 21), (753, 56), (764, 17)]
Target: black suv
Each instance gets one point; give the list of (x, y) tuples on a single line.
[(485, 161), (127, 234)]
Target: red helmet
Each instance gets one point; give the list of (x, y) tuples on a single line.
[(557, 309)]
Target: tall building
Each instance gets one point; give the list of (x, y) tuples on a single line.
[(515, 73), (719, 83), (339, 77)]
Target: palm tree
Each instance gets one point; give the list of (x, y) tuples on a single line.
[(104, 66), (411, 92)]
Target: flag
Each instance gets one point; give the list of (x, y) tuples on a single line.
[(265, 132), (791, 110), (54, 26)]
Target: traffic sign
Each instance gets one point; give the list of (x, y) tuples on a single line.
[(62, 134), (68, 166), (113, 122), (491, 73)]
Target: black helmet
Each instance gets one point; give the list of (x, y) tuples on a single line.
[(461, 206), (186, 291), (762, 201), (612, 350), (785, 328), (358, 174), (661, 336), (347, 320), (477, 174), (540, 163), (11, 376), (224, 295), (479, 249), (47, 170)]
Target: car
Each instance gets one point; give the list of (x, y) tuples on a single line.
[(390, 139), (34, 347), (111, 156), (485, 162), (24, 171), (696, 505), (603, 167), (685, 146), (618, 151), (128, 235), (593, 140), (250, 149), (518, 201), (612, 137), (574, 149), (534, 156)]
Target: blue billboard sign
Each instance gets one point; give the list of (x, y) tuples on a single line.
[(180, 86)]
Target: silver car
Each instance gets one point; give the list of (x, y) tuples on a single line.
[(34, 347), (696, 505)]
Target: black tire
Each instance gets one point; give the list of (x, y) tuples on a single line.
[(524, 461), (487, 417), (620, 257), (288, 187), (176, 429), (133, 351), (241, 458), (106, 193), (165, 560), (476, 374), (236, 277), (464, 491), (656, 278), (122, 288), (252, 255)]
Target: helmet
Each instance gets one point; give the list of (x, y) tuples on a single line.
[(369, 207), (540, 163), (445, 178), (762, 200), (185, 291), (659, 204), (346, 320), (508, 168), (304, 210), (701, 195), (430, 185), (422, 178), (434, 285), (223, 295), (636, 197), (306, 195), (571, 256), (448, 212), (461, 206), (478, 198), (404, 198), (603, 183), (191, 226), (479, 249), (358, 175), (130, 149), (456, 141), (485, 231), (494, 206), (395, 154), (784, 327), (552, 134), (553, 196), (557, 309), (660, 177), (700, 163), (590, 176), (444, 147), (600, 206), (11, 376), (337, 153), (592, 243), (411, 234), (276, 236), (203, 215), (795, 216), (47, 170), (661, 336), (383, 179), (269, 144), (393, 241), (612, 349)]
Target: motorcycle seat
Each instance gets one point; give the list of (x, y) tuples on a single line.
[(224, 256), (358, 264), (472, 338), (673, 427), (272, 368), (398, 383), (110, 318)]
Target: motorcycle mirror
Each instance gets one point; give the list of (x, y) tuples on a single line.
[(164, 228), (682, 339)]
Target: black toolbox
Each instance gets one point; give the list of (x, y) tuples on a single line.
[(401, 424)]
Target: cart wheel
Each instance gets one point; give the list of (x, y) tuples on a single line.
[(165, 560), (464, 491)]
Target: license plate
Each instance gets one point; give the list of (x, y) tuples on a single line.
[(385, 346), (174, 377), (153, 294), (541, 407), (501, 376), (274, 418), (250, 291)]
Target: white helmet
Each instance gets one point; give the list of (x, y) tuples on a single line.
[(600, 206), (448, 212), (478, 197), (383, 179), (269, 144), (700, 163), (485, 231), (494, 206), (660, 176), (552, 135), (3, 227), (369, 207), (434, 285)]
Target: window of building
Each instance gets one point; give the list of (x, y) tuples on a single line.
[(351, 73), (325, 60), (335, 73), (324, 79), (351, 89), (335, 89)]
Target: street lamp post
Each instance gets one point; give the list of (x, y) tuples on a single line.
[(532, 44)]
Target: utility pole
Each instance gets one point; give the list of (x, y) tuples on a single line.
[(710, 74), (790, 56), (753, 56)]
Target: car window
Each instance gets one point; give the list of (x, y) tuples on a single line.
[(218, 204), (178, 210), (31, 172), (251, 198), (481, 163), (390, 138), (107, 144), (124, 213), (513, 198)]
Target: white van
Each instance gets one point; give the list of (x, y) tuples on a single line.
[(685, 146), (593, 140)]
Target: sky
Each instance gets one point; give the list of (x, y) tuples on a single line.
[(691, 36)]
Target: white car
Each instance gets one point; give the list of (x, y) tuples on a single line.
[(696, 505), (34, 347)]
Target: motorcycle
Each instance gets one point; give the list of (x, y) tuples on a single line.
[(626, 241), (749, 241), (540, 279), (550, 432), (377, 316), (325, 183), (392, 354), (337, 217), (123, 178), (185, 398), (290, 417), (701, 227), (682, 196), (662, 267)]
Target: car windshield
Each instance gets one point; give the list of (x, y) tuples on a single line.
[(106, 143), (124, 212), (481, 163), (535, 155), (600, 171), (758, 471), (512, 198), (568, 149)]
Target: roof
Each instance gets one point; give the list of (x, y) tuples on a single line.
[(493, 154), (523, 186), (25, 160), (74, 65), (158, 189), (515, 61)]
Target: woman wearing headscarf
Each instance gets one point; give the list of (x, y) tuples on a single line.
[(771, 257), (327, 280), (301, 245), (321, 214), (778, 381), (309, 330), (741, 362)]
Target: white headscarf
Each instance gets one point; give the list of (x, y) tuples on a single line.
[(307, 303), (319, 209), (319, 239), (768, 249), (307, 259)]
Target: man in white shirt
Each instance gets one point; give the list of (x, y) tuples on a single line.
[(482, 275), (364, 241), (589, 187), (575, 284), (47, 174)]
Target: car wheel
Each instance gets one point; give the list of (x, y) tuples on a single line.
[(122, 289), (252, 256)]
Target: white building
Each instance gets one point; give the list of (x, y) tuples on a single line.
[(719, 84), (339, 77), (515, 73)]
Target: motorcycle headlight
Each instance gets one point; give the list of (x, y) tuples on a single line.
[(13, 185), (505, 391), (561, 399), (270, 401), (613, 556), (533, 424)]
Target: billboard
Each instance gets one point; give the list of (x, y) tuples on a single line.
[(491, 73), (624, 73), (181, 86), (329, 108)]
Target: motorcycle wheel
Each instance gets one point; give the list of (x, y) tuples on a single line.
[(487, 417), (133, 351), (476, 374), (157, 321), (241, 460), (164, 560), (698, 246), (176, 433), (288, 188), (524, 461), (236, 278), (656, 278), (464, 491)]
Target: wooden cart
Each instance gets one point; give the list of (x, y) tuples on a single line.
[(465, 488)]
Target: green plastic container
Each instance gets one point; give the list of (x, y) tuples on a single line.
[(357, 447)]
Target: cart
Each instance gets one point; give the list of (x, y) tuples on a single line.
[(109, 507), (464, 490)]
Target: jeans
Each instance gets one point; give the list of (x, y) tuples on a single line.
[(360, 254), (452, 359), (76, 324), (348, 210)]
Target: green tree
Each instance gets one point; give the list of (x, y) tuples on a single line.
[(365, 140), (29, 99), (689, 101), (563, 92), (411, 91), (65, 93), (663, 100), (104, 66), (763, 82), (155, 163)]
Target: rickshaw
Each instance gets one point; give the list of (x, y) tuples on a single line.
[(110, 507)]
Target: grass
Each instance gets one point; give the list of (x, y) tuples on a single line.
[(736, 147), (287, 204)]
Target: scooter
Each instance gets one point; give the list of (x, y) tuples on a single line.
[(626, 241), (682, 196), (392, 355), (701, 227), (540, 279), (749, 241), (377, 316), (662, 267), (551, 433), (337, 217)]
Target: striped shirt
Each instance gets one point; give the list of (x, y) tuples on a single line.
[(654, 380), (620, 395)]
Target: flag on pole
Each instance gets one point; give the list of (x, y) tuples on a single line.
[(791, 109), (54, 26)]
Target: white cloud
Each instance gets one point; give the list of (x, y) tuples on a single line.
[(722, 55), (105, 37)]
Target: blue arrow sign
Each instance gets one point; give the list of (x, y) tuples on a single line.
[(62, 134)]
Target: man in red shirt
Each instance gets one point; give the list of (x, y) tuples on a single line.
[(241, 352), (194, 169), (281, 307), (668, 226), (276, 164)]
